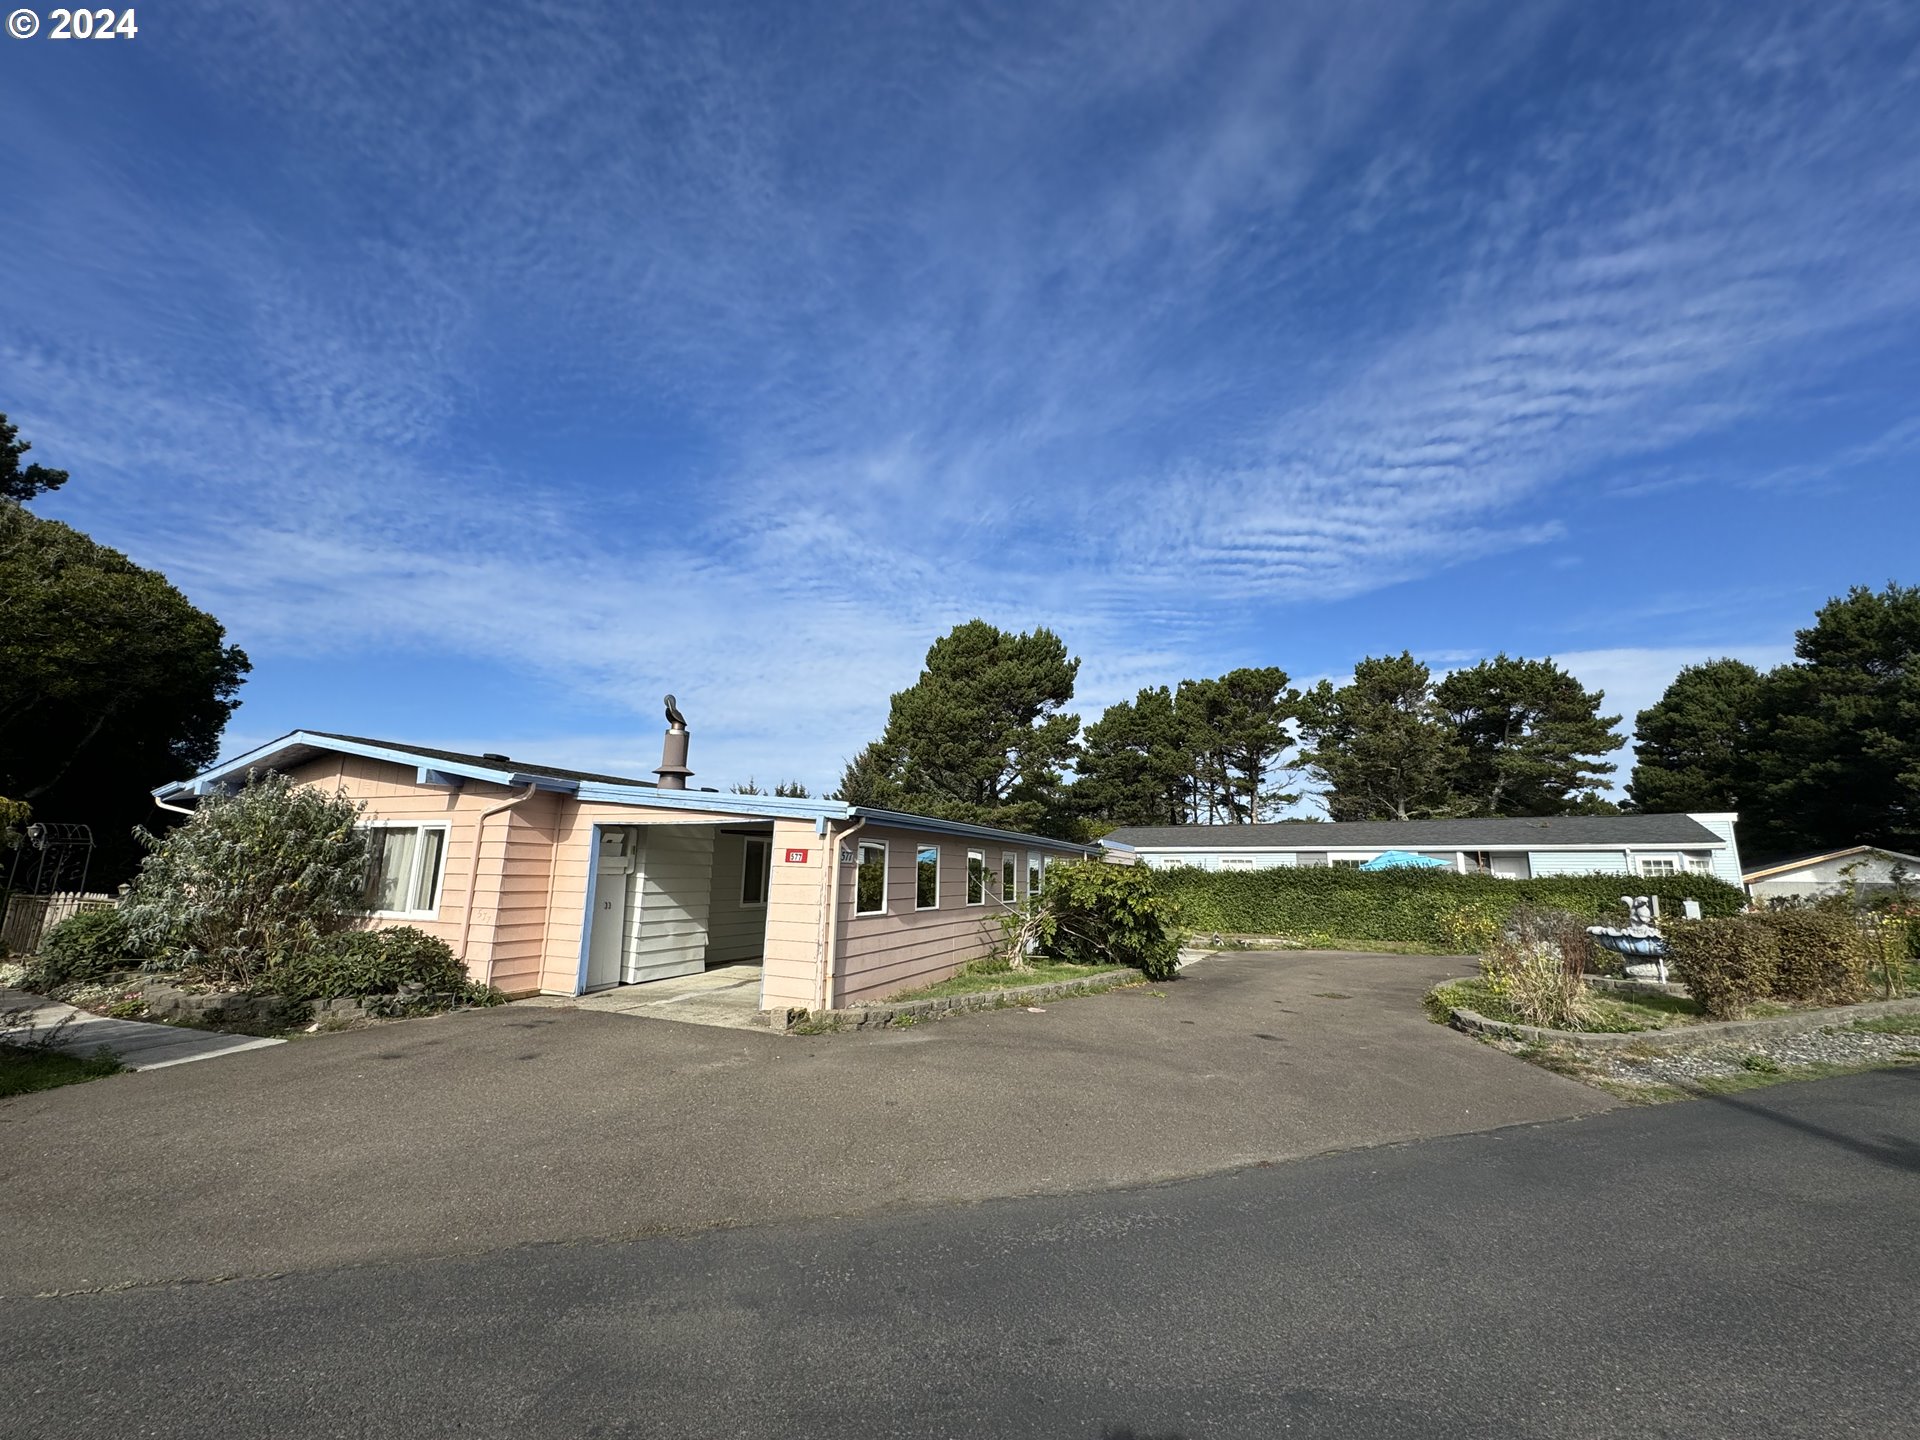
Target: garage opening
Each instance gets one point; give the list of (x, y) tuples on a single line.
[(678, 900)]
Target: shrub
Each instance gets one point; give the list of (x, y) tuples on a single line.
[(1409, 905), (89, 945), (1726, 963), (1822, 956), (252, 879), (369, 962), (1534, 967), (1562, 929), (1092, 913)]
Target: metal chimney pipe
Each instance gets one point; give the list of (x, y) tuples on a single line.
[(673, 771)]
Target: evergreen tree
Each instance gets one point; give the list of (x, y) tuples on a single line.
[(1839, 749), (1695, 747), (1380, 745), (1236, 729), (981, 736), (18, 482), (1137, 767), (1531, 736)]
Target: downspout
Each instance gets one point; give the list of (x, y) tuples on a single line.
[(168, 805), (824, 984), (473, 880)]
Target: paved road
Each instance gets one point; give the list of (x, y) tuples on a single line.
[(469, 1132), (1722, 1268)]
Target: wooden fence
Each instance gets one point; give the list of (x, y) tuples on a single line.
[(29, 917)]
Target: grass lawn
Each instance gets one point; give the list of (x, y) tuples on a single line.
[(1613, 1013), (1890, 1024), (24, 1068), (995, 975)]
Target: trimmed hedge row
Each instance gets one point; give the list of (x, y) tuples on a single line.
[(1797, 955), (1425, 907)]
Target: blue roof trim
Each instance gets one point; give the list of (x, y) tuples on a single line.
[(226, 772), (435, 770), (776, 806), (907, 821)]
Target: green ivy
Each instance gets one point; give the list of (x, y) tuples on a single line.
[(1452, 913)]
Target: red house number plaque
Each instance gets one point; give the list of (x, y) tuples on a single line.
[(796, 857)]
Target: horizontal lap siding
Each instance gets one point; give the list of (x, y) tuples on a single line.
[(667, 900), (1577, 862), (795, 894), (734, 931), (572, 861), (389, 792), (905, 948)]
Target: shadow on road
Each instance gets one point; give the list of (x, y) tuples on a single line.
[(1894, 1151)]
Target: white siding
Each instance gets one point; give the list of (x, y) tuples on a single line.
[(1578, 862), (734, 931), (667, 903)]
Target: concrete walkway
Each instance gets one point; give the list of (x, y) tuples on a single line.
[(137, 1044), (725, 995)]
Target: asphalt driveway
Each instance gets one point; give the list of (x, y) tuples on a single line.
[(469, 1132)]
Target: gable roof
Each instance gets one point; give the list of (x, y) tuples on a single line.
[(1544, 832), (438, 767), (1764, 868)]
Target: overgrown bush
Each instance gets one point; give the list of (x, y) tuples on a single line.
[(1418, 906), (1533, 979), (1093, 913), (1534, 965), (1822, 956), (1562, 929), (89, 945), (369, 962), (254, 878), (1726, 963)]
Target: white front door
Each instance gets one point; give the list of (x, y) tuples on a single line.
[(606, 942)]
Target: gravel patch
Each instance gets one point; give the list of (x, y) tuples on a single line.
[(1786, 1052)]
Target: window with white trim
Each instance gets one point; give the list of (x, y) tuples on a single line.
[(1347, 864), (1035, 873), (1655, 866), (870, 879), (1236, 862), (756, 870), (1009, 876), (976, 877), (926, 878), (405, 867), (1700, 864)]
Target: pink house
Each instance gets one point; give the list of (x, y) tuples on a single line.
[(560, 882)]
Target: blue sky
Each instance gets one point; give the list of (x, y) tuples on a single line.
[(490, 370)]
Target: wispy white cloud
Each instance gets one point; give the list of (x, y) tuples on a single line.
[(1131, 322)]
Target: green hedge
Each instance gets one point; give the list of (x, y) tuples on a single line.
[(1424, 907), (1726, 964)]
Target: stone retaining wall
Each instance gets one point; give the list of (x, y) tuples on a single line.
[(873, 1017), (1681, 1037)]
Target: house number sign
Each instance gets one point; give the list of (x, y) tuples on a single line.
[(796, 857)]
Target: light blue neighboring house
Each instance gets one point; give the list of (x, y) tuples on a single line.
[(1648, 846)]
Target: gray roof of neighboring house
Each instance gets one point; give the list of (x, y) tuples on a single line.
[(1542, 833)]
